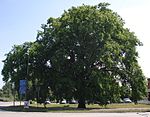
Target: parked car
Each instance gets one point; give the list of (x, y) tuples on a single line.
[(127, 100), (47, 102), (73, 102), (63, 102)]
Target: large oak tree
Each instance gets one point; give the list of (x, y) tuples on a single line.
[(86, 54)]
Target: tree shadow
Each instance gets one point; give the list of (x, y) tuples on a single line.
[(65, 108)]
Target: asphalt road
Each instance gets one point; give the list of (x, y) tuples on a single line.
[(39, 114)]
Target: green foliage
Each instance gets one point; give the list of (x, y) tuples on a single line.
[(6, 93), (85, 54), (1, 93)]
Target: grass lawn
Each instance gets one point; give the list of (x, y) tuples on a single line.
[(90, 108)]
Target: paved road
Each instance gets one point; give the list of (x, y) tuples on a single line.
[(39, 114)]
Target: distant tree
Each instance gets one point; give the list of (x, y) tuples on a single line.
[(16, 65), (7, 90), (1, 93), (26, 61)]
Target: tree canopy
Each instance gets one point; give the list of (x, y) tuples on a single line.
[(86, 54)]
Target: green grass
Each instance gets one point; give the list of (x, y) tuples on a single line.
[(90, 108), (4, 99), (129, 105)]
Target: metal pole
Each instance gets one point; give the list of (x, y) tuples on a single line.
[(27, 72), (14, 99), (13, 91), (26, 103), (20, 99)]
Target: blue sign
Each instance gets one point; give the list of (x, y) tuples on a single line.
[(23, 87)]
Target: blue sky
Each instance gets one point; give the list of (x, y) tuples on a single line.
[(20, 20)]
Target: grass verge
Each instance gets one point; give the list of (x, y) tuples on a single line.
[(73, 108)]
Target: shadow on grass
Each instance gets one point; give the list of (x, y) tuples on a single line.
[(22, 109), (70, 108), (42, 109)]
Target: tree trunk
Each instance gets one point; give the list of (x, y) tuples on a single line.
[(81, 92), (81, 104)]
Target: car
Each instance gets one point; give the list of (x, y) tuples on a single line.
[(73, 102), (47, 102), (63, 102), (127, 100)]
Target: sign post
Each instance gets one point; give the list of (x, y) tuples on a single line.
[(23, 91), (23, 87)]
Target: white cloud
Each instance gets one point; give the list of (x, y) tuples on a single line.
[(137, 19)]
